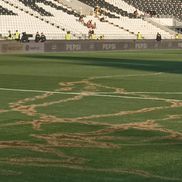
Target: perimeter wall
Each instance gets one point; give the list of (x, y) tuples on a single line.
[(86, 45)]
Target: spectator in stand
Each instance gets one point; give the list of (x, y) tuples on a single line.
[(101, 37), (94, 26), (89, 24), (146, 14), (81, 20), (103, 19), (42, 37), (90, 34), (158, 37), (93, 36), (97, 11), (9, 37), (24, 37), (37, 37), (136, 14)]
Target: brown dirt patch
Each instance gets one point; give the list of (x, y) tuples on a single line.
[(95, 139), (3, 111)]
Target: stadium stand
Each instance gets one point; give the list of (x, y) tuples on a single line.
[(128, 19), (113, 9), (4, 11), (116, 19), (159, 7), (26, 21), (32, 4)]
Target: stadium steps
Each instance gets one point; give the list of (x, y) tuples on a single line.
[(113, 10), (129, 8), (36, 8), (130, 23), (77, 6), (4, 11), (159, 7)]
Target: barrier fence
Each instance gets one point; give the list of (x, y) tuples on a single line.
[(86, 45)]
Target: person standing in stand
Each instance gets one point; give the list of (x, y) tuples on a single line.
[(17, 36), (158, 37), (68, 35), (37, 37), (42, 37)]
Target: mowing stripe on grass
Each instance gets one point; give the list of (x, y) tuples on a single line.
[(132, 75), (96, 94)]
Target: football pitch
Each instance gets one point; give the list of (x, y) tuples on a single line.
[(91, 117)]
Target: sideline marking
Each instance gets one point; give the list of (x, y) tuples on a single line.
[(77, 93), (97, 94)]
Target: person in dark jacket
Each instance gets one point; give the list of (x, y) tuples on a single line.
[(42, 37), (158, 37), (37, 37)]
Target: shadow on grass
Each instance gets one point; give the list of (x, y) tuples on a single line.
[(148, 64)]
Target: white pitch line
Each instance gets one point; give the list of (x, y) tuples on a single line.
[(132, 97), (165, 93), (96, 94), (77, 93), (38, 91)]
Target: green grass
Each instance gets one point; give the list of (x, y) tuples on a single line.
[(84, 117)]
